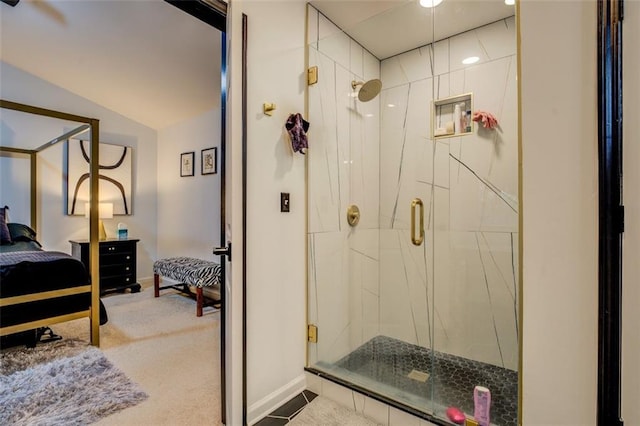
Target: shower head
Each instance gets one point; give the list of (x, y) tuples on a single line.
[(369, 89)]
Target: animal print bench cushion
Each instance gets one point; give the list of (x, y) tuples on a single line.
[(197, 272)]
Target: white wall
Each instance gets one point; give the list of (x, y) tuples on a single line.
[(188, 207), (276, 277), (631, 244), (559, 202), (55, 227)]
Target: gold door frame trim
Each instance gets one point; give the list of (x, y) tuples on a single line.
[(306, 185), (520, 210)]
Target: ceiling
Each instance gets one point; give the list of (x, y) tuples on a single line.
[(146, 60), (153, 63), (387, 28)]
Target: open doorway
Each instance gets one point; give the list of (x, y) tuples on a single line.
[(174, 212)]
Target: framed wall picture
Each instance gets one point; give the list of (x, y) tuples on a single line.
[(186, 163), (115, 176), (209, 161)]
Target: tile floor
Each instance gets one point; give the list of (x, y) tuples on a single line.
[(283, 414), (449, 378)]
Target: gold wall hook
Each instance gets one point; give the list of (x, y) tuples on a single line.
[(268, 108)]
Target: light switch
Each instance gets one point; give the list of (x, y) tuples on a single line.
[(284, 202)]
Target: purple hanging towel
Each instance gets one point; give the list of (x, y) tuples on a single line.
[(297, 128)]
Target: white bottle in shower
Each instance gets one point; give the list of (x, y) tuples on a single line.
[(456, 119)]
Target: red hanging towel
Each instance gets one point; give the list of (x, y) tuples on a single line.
[(487, 119)]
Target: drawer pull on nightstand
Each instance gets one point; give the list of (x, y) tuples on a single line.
[(117, 263)]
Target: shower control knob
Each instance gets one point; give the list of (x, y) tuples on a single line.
[(353, 215)]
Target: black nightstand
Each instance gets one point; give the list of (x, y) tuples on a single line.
[(117, 263)]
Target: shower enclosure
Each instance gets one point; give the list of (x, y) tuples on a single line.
[(413, 280)]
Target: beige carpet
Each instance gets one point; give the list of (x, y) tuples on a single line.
[(173, 355), (324, 412)]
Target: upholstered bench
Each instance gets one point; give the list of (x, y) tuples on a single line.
[(188, 271)]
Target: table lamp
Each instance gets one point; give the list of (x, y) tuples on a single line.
[(105, 211)]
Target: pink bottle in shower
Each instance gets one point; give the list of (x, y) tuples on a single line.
[(482, 405)]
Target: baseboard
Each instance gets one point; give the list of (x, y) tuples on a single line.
[(275, 399), (146, 282)]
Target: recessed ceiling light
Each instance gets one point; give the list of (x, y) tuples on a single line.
[(509, 2), (368, 115), (430, 3), (391, 105), (470, 60)]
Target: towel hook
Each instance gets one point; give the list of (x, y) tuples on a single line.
[(268, 108)]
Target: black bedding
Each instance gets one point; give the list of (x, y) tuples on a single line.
[(26, 269), (26, 272), (20, 246)]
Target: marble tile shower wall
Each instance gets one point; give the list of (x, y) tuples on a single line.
[(469, 186), (370, 280), (343, 169)]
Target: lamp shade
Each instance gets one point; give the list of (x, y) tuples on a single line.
[(105, 210)]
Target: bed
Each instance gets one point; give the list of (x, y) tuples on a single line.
[(39, 288)]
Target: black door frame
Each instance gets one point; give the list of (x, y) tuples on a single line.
[(611, 211), (214, 13)]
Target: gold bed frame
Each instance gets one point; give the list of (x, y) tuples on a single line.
[(92, 125)]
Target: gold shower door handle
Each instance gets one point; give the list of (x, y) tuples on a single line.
[(417, 240)]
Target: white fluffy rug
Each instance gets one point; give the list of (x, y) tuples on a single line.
[(61, 383)]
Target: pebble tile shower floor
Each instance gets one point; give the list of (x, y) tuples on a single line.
[(391, 361)]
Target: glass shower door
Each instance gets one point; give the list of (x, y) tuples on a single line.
[(343, 183), (415, 303), (368, 283), (475, 346)]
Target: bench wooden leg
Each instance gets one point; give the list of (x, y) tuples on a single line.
[(156, 285), (199, 299)]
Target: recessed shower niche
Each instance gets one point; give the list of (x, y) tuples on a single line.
[(416, 322), (453, 116)]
